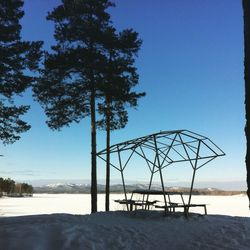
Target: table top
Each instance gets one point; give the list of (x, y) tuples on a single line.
[(154, 192), (147, 191)]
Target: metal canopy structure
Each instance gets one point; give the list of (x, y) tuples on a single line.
[(163, 149)]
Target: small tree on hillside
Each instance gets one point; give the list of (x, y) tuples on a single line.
[(16, 57), (119, 78), (1, 186), (69, 85), (8, 186), (26, 188)]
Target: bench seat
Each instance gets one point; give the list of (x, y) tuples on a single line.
[(172, 206)]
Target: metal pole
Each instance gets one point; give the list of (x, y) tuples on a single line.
[(191, 188), (159, 167), (151, 178), (123, 182), (152, 174), (193, 177)]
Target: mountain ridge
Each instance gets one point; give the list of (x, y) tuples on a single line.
[(73, 188)]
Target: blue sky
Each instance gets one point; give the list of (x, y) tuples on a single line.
[(190, 66)]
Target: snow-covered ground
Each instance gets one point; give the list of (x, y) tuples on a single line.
[(69, 228), (236, 205)]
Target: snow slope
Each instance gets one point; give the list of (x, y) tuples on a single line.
[(124, 230)]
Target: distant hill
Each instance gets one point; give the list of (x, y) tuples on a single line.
[(72, 188), (221, 185)]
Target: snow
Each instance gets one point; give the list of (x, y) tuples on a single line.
[(236, 205), (61, 221)]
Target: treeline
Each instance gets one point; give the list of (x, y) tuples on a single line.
[(9, 187)]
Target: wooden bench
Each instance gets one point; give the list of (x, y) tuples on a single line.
[(129, 203), (186, 207), (135, 203), (172, 206), (144, 204)]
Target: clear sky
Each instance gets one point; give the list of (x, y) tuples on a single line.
[(190, 66)]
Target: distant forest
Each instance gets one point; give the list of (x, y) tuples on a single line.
[(9, 187)]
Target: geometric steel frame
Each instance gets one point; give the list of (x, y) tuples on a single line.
[(168, 147)]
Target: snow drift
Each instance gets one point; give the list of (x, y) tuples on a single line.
[(124, 230)]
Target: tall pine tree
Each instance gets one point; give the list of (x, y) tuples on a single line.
[(69, 85), (119, 78), (246, 12), (16, 58)]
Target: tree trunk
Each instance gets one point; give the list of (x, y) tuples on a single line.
[(107, 157), (246, 12), (93, 154)]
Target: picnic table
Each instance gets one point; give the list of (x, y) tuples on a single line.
[(144, 202), (133, 204), (169, 206)]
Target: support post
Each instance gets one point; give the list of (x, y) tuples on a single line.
[(194, 172), (151, 177), (191, 188), (152, 174), (123, 181), (161, 177)]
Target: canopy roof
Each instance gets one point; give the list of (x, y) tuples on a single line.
[(171, 146)]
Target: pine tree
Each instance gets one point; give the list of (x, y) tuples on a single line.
[(16, 57), (246, 12), (69, 86), (119, 78)]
